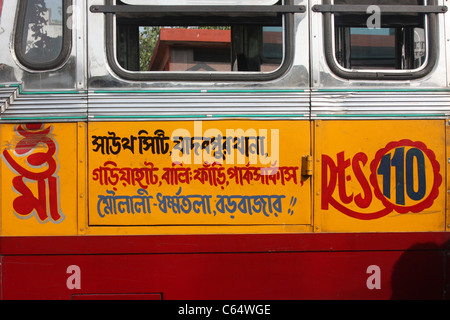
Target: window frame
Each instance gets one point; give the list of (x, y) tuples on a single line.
[(288, 38), (431, 34), (19, 51)]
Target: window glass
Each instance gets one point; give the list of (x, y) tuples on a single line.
[(372, 48), (195, 43), (398, 42), (382, 48), (42, 36), (43, 30), (273, 44), (190, 48), (199, 48)]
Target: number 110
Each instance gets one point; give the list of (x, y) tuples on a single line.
[(403, 177)]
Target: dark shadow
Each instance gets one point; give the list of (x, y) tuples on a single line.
[(420, 273)]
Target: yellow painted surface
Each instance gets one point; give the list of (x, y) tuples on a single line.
[(375, 176), (176, 178), (39, 179), (82, 178), (447, 141), (198, 176)]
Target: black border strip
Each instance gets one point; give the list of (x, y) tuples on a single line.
[(196, 9), (340, 8)]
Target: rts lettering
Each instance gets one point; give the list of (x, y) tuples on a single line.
[(336, 174)]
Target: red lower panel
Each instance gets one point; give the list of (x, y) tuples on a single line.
[(280, 275), (113, 296)]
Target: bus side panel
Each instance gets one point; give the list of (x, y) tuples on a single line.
[(447, 276), (1, 278), (39, 174), (181, 176), (380, 176), (414, 273), (447, 148)]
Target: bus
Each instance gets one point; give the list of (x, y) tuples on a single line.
[(224, 150)]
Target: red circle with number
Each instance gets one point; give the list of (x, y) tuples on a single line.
[(437, 178)]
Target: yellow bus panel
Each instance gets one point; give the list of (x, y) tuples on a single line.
[(39, 179), (380, 176), (215, 173)]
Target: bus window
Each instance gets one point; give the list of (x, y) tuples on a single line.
[(197, 48), (43, 38), (382, 48), (195, 42), (398, 41)]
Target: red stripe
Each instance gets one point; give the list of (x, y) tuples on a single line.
[(221, 243)]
